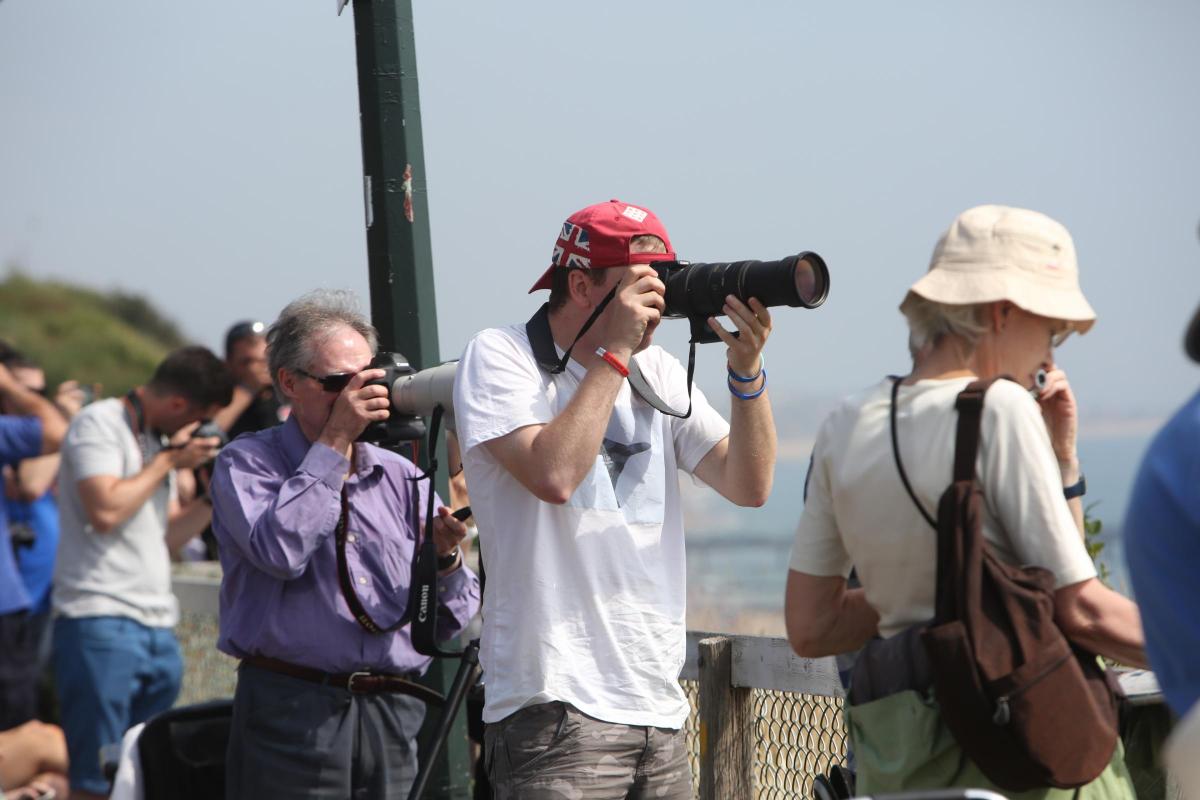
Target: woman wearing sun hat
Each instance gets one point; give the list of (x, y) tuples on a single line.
[(1002, 292)]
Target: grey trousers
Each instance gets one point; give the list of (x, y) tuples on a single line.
[(553, 751), (295, 739)]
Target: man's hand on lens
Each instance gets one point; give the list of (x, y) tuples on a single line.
[(754, 323), (635, 311), (355, 408), (189, 453)]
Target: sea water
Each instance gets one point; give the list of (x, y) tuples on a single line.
[(737, 557)]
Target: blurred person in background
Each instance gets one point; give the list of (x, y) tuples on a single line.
[(255, 405), (1162, 546), (1001, 293), (31, 506), (31, 426), (297, 507), (33, 510), (116, 660)]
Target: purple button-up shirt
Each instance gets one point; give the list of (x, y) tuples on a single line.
[(276, 503)]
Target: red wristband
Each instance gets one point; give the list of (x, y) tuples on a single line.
[(616, 362)]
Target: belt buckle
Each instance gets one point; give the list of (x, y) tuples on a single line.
[(350, 680)]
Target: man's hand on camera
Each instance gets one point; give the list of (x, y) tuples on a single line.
[(188, 452), (634, 312), (754, 323), (355, 408)]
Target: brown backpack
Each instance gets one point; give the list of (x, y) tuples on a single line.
[(1028, 707)]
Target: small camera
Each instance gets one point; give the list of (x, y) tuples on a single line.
[(209, 429)]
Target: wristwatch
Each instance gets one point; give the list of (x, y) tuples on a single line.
[(449, 560), (1077, 489)]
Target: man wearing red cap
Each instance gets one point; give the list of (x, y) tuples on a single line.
[(573, 476)]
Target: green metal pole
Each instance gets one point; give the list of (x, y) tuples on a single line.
[(400, 260)]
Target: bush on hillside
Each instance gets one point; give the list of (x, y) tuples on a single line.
[(114, 339)]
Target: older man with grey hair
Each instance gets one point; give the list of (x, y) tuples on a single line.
[(312, 523)]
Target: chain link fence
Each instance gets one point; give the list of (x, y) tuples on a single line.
[(796, 736)]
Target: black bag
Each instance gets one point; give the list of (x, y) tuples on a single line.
[(1029, 708), (183, 752)]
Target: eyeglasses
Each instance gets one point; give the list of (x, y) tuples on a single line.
[(1057, 337), (331, 383)]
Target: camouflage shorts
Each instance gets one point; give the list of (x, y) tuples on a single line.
[(553, 751)]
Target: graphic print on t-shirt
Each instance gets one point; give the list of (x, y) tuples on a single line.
[(616, 454), (628, 473)]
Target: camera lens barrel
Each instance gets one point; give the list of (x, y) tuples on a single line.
[(700, 289)]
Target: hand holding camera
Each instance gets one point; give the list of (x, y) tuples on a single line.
[(1061, 415), (190, 447), (362, 402), (753, 323), (635, 311)]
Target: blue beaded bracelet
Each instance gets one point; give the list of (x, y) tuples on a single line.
[(742, 396), (762, 364)]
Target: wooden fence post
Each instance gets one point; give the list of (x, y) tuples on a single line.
[(726, 727)]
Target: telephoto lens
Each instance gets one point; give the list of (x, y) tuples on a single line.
[(698, 290)]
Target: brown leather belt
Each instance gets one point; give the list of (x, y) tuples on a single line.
[(355, 682)]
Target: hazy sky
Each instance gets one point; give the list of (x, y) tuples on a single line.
[(207, 155)]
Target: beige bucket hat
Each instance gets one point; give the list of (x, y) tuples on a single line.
[(993, 253)]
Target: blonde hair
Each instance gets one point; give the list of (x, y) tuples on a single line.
[(929, 322)]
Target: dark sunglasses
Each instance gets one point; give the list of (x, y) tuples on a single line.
[(331, 383)]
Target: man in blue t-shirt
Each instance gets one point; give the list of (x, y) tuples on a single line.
[(30, 504), (1162, 545), (34, 427)]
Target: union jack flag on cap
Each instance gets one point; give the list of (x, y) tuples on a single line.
[(571, 249)]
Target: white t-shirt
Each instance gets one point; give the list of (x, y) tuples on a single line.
[(584, 601), (125, 572), (858, 513)]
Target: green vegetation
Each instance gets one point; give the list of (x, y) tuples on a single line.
[(114, 339), (1091, 539)]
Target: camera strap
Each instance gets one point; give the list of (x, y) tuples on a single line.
[(135, 412), (135, 418), (423, 588), (541, 340), (356, 607)]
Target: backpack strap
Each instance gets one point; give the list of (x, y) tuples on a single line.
[(969, 405)]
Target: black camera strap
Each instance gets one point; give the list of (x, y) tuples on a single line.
[(541, 340), (363, 618), (423, 596), (423, 588)]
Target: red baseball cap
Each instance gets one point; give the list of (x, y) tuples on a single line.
[(599, 236)]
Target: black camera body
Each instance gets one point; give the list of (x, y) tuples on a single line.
[(398, 427), (209, 429), (697, 291)]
